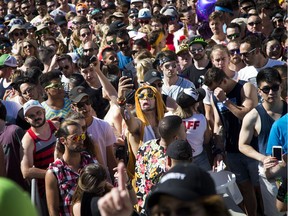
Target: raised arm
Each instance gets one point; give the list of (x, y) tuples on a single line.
[(28, 171), (247, 131)]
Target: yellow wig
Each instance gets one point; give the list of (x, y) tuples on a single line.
[(160, 107)]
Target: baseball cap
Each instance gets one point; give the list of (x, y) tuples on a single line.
[(133, 1), (29, 26), (197, 39), (181, 48), (14, 27), (116, 26), (133, 11), (60, 20), (186, 182), (152, 75), (31, 104), (190, 96), (179, 150), (118, 14), (11, 193), (144, 13), (169, 11), (77, 93), (8, 60)]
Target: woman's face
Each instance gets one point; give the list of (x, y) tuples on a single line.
[(28, 49)]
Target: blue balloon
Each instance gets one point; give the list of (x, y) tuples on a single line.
[(204, 8)]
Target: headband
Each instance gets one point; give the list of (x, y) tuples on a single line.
[(164, 59)]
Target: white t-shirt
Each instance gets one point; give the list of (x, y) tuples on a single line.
[(102, 133), (196, 126)]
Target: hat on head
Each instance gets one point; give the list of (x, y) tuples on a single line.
[(118, 14), (152, 75), (95, 11), (77, 93), (144, 13), (60, 20), (133, 11), (169, 11), (8, 60), (182, 48), (190, 96), (277, 16), (134, 1), (197, 39), (8, 18), (116, 26), (179, 150), (29, 26), (186, 182), (14, 27), (31, 104)]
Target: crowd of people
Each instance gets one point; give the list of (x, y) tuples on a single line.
[(122, 107)]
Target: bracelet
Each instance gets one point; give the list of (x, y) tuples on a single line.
[(225, 101), (121, 101)]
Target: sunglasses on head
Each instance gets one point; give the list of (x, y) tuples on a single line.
[(233, 36), (124, 43), (55, 86), (254, 23), (266, 89), (86, 34), (146, 95), (234, 52), (82, 104), (144, 21), (77, 138)]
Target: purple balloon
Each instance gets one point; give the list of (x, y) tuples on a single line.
[(204, 8)]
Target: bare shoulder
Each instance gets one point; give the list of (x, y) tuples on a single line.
[(27, 140), (56, 124), (251, 117)]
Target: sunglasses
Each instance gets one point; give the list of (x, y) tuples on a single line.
[(266, 89), (80, 105), (42, 32), (234, 52), (170, 2), (78, 138), (274, 48), (233, 36), (144, 21), (247, 53), (81, 11), (254, 23), (111, 42), (124, 43), (194, 51), (97, 18), (157, 85), (146, 95), (66, 67), (89, 50), (17, 34), (172, 65), (86, 34), (55, 86), (133, 16), (27, 46), (172, 18)]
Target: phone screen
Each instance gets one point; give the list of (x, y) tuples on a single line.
[(277, 152)]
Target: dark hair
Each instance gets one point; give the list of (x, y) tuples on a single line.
[(3, 111), (83, 26), (34, 73), (168, 53), (253, 40), (46, 78), (214, 74), (265, 42), (160, 18), (45, 54), (22, 79), (63, 129), (63, 57), (107, 50), (268, 75), (122, 33), (78, 80), (234, 25), (32, 61), (141, 42), (169, 126), (84, 62)]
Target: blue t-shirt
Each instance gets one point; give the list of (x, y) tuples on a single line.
[(278, 135), (123, 60)]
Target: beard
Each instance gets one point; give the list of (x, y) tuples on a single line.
[(38, 125)]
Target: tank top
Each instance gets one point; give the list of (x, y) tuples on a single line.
[(266, 124), (230, 122), (43, 153)]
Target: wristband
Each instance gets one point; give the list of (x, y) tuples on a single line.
[(121, 101), (225, 101)]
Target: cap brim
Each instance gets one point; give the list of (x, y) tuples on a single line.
[(198, 42), (79, 97), (153, 79), (30, 107)]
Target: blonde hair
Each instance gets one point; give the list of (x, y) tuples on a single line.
[(142, 67)]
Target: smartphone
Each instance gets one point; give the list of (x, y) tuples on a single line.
[(128, 74), (277, 152)]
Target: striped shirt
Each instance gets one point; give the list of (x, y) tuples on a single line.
[(51, 113)]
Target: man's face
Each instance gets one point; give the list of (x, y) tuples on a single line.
[(137, 5), (51, 6), (111, 58), (133, 19), (254, 24), (2, 11), (29, 91), (234, 50), (220, 59), (147, 100), (18, 34), (216, 26), (156, 26), (89, 49), (36, 117), (111, 41), (197, 51), (75, 140), (55, 89), (42, 10), (270, 92), (66, 67), (244, 8), (88, 74), (188, 17), (26, 9), (246, 53), (233, 34), (169, 69), (51, 44), (124, 44), (83, 107), (184, 58)]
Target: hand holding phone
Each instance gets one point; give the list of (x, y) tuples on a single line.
[(277, 152)]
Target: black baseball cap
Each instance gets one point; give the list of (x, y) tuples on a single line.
[(116, 26), (190, 96), (179, 150), (152, 75), (60, 20), (77, 93), (186, 182), (133, 11)]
